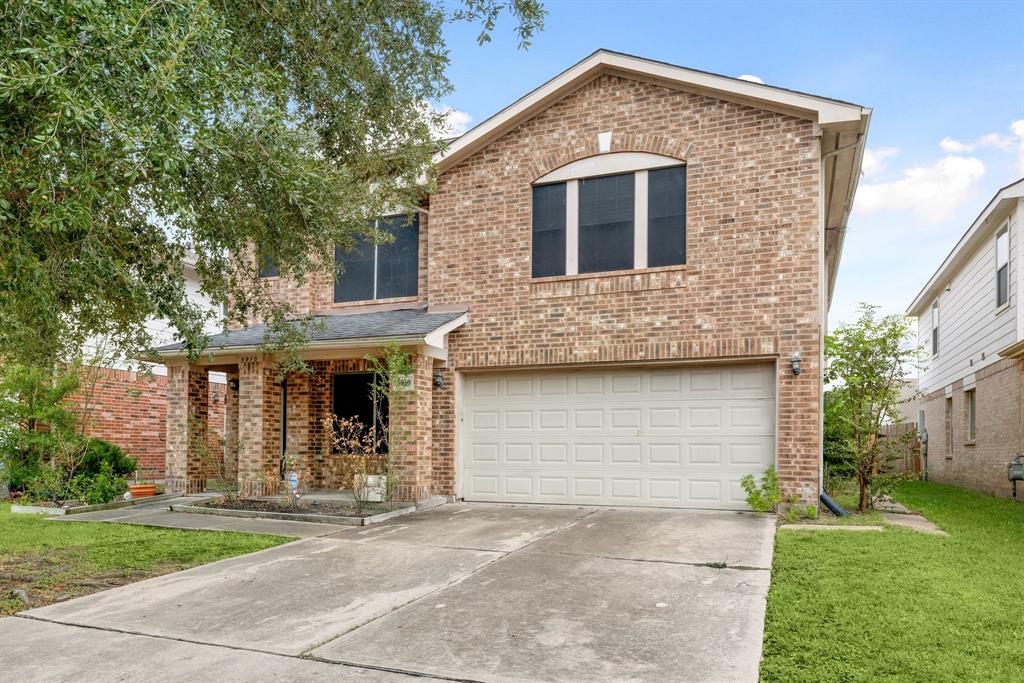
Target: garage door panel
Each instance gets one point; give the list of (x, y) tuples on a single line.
[(679, 436)]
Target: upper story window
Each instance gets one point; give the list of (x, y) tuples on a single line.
[(1002, 267), (267, 267), (381, 271), (589, 219), (935, 328)]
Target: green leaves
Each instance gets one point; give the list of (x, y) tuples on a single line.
[(868, 361), (135, 133)]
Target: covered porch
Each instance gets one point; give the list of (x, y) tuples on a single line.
[(271, 419)]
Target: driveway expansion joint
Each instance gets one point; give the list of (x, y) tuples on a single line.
[(706, 565), (500, 556)]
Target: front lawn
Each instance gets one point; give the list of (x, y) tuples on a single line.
[(53, 561), (902, 605)]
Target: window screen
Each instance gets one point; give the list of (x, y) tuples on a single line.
[(969, 398), (355, 282), (1002, 268), (666, 216), (549, 230), (267, 266), (606, 223), (398, 263), (381, 271)]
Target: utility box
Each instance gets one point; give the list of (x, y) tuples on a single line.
[(1015, 470)]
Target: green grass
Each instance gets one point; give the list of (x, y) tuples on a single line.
[(902, 605), (53, 561)]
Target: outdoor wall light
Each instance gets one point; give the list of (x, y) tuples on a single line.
[(438, 380), (794, 363), (233, 383)]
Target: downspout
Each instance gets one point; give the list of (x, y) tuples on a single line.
[(284, 425)]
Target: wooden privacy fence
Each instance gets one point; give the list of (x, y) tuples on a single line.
[(910, 446)]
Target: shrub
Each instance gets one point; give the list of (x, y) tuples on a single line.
[(54, 485), (102, 487), (99, 453), (763, 497), (20, 467)]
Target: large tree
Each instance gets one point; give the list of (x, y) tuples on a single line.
[(134, 131), (868, 360)]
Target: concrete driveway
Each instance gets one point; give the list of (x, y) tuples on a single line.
[(469, 592)]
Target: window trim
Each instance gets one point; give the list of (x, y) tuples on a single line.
[(1005, 230), (935, 328), (641, 218), (376, 262), (949, 426), (970, 416)]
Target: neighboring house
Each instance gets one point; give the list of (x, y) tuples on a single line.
[(129, 407), (907, 402), (608, 298), (971, 322)]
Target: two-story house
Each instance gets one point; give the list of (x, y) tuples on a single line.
[(616, 295), (971, 323)]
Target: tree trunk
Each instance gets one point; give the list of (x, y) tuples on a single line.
[(862, 504)]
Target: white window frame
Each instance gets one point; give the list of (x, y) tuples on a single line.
[(1005, 230), (935, 328), (619, 163)]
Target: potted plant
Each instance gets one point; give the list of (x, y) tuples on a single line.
[(142, 490)]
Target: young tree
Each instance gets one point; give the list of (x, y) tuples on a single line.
[(132, 131), (867, 361)]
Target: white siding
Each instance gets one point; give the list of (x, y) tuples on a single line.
[(969, 324), (161, 332)]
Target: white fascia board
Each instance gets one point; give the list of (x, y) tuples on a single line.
[(311, 346), (963, 249), (822, 110), (436, 340), (439, 337)]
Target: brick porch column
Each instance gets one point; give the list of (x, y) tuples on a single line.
[(187, 412), (259, 399), (411, 434), (231, 427)]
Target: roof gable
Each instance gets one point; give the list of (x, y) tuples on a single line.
[(823, 111)]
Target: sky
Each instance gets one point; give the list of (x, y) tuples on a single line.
[(945, 81)]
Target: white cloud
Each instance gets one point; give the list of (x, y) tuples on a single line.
[(998, 141), (1017, 128), (454, 122), (874, 160), (751, 78), (932, 193), (457, 122), (954, 146)]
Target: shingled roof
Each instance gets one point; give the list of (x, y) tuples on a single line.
[(378, 326)]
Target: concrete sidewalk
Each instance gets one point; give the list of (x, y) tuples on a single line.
[(158, 513)]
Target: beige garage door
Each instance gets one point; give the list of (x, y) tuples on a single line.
[(669, 437)]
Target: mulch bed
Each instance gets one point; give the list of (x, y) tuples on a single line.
[(302, 507)]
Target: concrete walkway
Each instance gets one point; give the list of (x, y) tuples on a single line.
[(464, 592), (158, 513)]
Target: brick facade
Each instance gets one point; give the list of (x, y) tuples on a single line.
[(999, 429), (129, 409), (751, 287)]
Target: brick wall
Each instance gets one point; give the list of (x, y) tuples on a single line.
[(750, 287), (129, 409), (999, 430)]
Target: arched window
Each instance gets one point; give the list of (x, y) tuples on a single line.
[(609, 212)]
